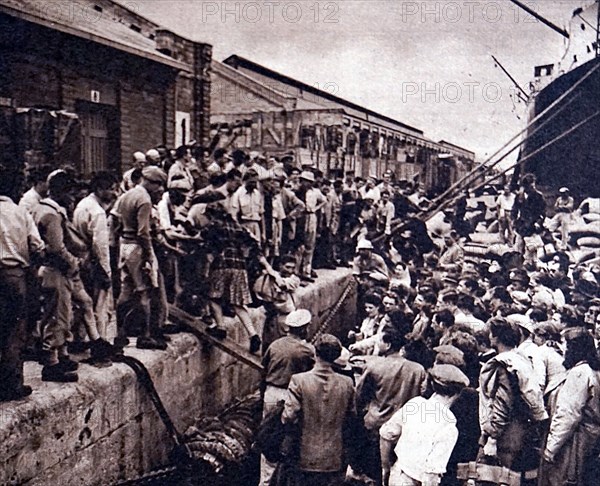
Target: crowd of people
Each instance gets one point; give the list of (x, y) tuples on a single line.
[(180, 227), (457, 355)]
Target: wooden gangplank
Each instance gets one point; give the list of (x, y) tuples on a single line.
[(197, 327)]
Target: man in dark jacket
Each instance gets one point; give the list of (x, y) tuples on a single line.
[(322, 401), (529, 211), (386, 384)]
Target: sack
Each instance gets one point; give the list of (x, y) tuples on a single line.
[(266, 289), (492, 474)]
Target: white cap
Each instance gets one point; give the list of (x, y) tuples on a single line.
[(563, 189), (364, 244), (152, 154), (139, 157), (521, 320), (298, 318)]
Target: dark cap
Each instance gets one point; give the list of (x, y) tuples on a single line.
[(154, 174)]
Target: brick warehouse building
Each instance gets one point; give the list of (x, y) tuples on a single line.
[(128, 84), (254, 107)]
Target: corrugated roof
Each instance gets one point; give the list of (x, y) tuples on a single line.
[(83, 19), (236, 61)]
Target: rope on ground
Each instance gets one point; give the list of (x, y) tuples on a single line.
[(323, 328)]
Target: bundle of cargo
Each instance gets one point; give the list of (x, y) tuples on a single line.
[(224, 442)]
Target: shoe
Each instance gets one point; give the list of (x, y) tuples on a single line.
[(67, 364), (313, 274), (121, 342), (101, 350), (329, 267), (15, 394), (307, 279), (151, 343), (58, 374), (216, 332), (255, 343)]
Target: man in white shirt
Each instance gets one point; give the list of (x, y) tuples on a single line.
[(370, 191), (39, 189), (248, 207), (386, 212), (90, 220), (423, 433), (504, 206), (314, 201)]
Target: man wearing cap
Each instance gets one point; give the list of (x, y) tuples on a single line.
[(366, 261), (138, 163), (285, 357), (60, 279), (423, 433), (314, 201), (248, 206), (322, 402), (564, 213), (138, 261)]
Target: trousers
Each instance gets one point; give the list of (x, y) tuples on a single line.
[(13, 290)]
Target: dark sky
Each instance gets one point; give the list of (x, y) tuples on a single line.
[(426, 63)]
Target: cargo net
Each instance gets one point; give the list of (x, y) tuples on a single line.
[(215, 450)]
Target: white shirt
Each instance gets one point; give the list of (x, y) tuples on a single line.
[(249, 207), (89, 219), (19, 235), (505, 204), (426, 433), (532, 351), (30, 199)]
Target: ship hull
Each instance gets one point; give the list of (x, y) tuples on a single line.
[(574, 160)]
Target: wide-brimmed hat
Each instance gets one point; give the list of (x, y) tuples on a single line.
[(307, 176)]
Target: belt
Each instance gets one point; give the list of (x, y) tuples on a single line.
[(250, 220), (277, 386)]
